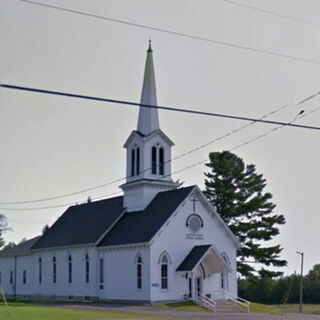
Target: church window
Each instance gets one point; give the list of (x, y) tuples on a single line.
[(164, 272), (87, 268), (40, 270), (133, 158), (222, 280), (101, 275), (11, 277), (24, 276), (161, 161), (54, 267), (139, 273), (138, 161), (225, 258), (154, 160), (69, 268), (194, 223)]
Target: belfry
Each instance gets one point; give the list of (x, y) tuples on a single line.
[(148, 149)]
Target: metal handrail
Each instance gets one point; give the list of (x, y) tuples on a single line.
[(243, 302), (206, 301)]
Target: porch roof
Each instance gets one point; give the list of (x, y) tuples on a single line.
[(207, 254)]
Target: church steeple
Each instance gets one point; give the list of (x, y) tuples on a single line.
[(148, 150), (148, 120)]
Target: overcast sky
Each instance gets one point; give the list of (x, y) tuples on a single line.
[(54, 145)]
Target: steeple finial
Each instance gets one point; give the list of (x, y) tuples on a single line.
[(148, 117), (149, 48)]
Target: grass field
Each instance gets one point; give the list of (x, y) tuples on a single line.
[(33, 311), (23, 311), (285, 308), (255, 307)]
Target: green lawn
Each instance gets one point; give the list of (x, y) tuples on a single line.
[(263, 308), (294, 308), (285, 308), (28, 311)]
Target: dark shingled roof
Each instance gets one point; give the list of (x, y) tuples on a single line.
[(20, 249), (82, 224), (194, 256), (141, 226)]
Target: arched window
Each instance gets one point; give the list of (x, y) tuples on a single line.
[(40, 270), (133, 158), (54, 267), (139, 272), (87, 268), (69, 268), (24, 276), (164, 262), (101, 272), (138, 161), (135, 161), (154, 160), (161, 161)]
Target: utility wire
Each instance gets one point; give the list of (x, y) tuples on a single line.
[(163, 177), (176, 33), (136, 104), (168, 161), (276, 14), (243, 143)]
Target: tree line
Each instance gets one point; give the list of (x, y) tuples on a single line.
[(267, 290)]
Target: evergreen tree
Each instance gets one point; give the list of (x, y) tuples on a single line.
[(237, 191), (3, 227), (312, 285)]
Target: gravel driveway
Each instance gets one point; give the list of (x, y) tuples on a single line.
[(169, 313)]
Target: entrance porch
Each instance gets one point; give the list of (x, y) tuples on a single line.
[(206, 272)]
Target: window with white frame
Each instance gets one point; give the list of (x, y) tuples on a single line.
[(157, 160), (135, 161), (101, 271), (139, 272), (70, 268), (54, 269), (87, 268), (24, 276), (40, 270), (164, 271)]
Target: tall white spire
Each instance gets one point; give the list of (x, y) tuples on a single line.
[(148, 151), (148, 117)]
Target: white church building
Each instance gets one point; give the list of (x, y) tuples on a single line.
[(158, 242)]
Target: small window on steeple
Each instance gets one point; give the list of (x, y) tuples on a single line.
[(161, 161), (154, 160), (133, 161), (138, 161)]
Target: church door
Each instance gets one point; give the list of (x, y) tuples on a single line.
[(199, 285)]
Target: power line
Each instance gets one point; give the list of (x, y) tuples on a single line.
[(135, 104), (173, 173), (60, 205), (304, 100), (276, 14), (176, 33)]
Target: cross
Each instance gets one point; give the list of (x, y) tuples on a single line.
[(194, 200)]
